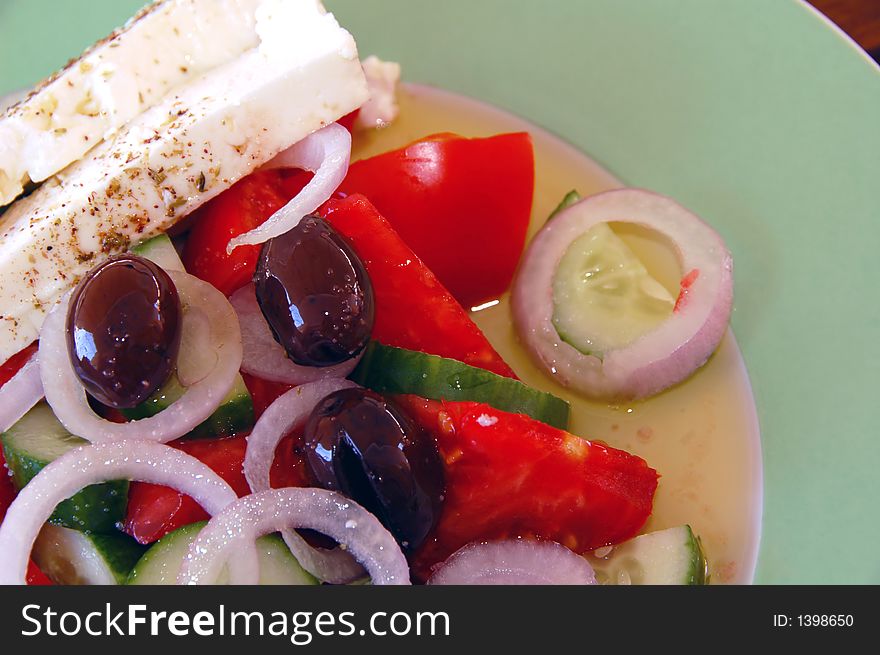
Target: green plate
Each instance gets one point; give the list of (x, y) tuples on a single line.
[(759, 115)]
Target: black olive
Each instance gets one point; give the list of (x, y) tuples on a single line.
[(315, 294), (367, 448), (123, 330)]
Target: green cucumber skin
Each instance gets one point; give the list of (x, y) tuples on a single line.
[(235, 413), (160, 250), (570, 198), (386, 369), (120, 551), (153, 567), (71, 557), (641, 552), (700, 571), (97, 508)]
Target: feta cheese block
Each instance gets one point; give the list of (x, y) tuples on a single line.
[(167, 44), (197, 142), (382, 80)]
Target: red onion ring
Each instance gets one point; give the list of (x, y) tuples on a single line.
[(335, 566), (514, 562), (68, 399), (264, 357), (328, 512), (662, 357), (21, 392), (326, 153), (91, 464)]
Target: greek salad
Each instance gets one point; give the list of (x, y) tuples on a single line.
[(233, 355)]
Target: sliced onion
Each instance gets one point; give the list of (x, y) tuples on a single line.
[(21, 392), (335, 566), (95, 463), (196, 359), (514, 562), (68, 399), (326, 153), (658, 359), (270, 511), (264, 357)]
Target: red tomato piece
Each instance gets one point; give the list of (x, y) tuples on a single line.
[(413, 309), (462, 205), (154, 511), (7, 491), (263, 392), (242, 207), (686, 283), (7, 494), (35, 577), (508, 475), (12, 365), (348, 120)]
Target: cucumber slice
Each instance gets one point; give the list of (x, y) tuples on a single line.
[(668, 557), (39, 438), (386, 369), (161, 563), (603, 296), (235, 413), (160, 250), (71, 557), (570, 198)]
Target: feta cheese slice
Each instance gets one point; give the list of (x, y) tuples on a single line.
[(167, 44), (382, 80), (196, 142)]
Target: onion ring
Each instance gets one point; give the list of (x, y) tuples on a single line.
[(265, 358), (658, 359), (250, 517), (68, 399), (94, 463), (335, 566), (514, 562), (326, 153), (21, 392)]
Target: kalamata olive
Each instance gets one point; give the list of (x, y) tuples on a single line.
[(123, 330), (315, 294), (367, 448)]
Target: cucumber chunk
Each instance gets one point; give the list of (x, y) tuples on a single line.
[(71, 557), (603, 296), (160, 250), (386, 369), (570, 198), (161, 563), (39, 438), (235, 413), (667, 557)]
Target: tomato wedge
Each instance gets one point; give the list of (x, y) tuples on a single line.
[(413, 309), (12, 365), (242, 207), (263, 392), (508, 475), (7, 492), (35, 577), (154, 511), (463, 205)]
